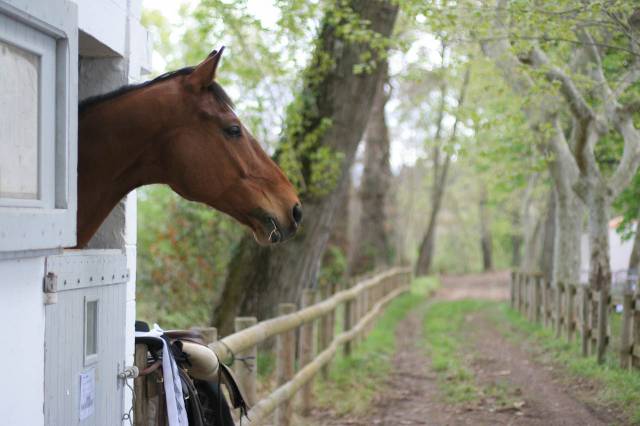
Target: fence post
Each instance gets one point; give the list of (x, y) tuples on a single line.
[(529, 298), (355, 315), (347, 323), (285, 363), (332, 316), (518, 300), (536, 298), (570, 292), (545, 302), (140, 387), (306, 351), (247, 370), (625, 338), (525, 295), (367, 298), (586, 329), (558, 306), (512, 294), (323, 330), (603, 310), (593, 318), (362, 306), (635, 339)]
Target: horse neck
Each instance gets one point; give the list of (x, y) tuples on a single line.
[(115, 156)]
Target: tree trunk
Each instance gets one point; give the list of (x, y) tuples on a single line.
[(634, 260), (261, 277), (516, 240), (440, 172), (425, 255), (339, 237), (600, 265), (533, 247), (546, 260), (568, 231), (371, 243), (486, 243)]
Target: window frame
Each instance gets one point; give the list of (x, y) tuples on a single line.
[(49, 222), (43, 46), (91, 358)]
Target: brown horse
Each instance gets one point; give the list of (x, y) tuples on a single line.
[(180, 130)]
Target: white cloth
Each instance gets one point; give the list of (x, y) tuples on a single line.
[(176, 411)]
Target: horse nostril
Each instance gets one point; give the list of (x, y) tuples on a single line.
[(297, 214)]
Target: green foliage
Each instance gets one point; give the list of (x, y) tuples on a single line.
[(183, 251), (334, 266), (628, 205)]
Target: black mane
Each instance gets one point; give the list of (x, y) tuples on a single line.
[(217, 90)]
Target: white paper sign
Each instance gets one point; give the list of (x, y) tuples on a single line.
[(87, 393)]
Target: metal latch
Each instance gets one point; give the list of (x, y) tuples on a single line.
[(129, 373), (50, 288)]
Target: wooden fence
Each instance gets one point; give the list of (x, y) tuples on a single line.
[(572, 309), (362, 303)]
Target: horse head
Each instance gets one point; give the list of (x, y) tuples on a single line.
[(211, 157), (180, 129)]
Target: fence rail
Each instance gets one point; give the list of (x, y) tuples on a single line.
[(362, 304), (577, 309)]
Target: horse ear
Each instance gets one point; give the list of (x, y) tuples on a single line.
[(205, 73)]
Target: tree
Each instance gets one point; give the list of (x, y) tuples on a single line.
[(440, 169), (323, 128), (371, 246), (486, 243), (575, 168)]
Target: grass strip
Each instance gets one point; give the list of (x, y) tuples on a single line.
[(444, 323)]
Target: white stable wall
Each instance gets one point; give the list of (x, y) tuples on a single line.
[(22, 354)]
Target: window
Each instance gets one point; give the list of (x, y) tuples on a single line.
[(19, 127), (38, 120), (90, 331)]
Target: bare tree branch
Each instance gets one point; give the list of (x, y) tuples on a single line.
[(543, 38), (602, 84), (579, 107)]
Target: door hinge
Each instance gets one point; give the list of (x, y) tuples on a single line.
[(50, 288)]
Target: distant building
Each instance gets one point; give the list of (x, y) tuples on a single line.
[(619, 253)]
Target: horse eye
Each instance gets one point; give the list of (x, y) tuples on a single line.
[(233, 131)]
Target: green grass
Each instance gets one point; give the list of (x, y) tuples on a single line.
[(444, 340), (354, 380), (617, 386)]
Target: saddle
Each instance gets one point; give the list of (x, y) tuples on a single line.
[(201, 374)]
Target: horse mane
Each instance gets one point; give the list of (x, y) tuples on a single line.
[(218, 92)]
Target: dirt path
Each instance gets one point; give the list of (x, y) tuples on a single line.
[(536, 395)]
